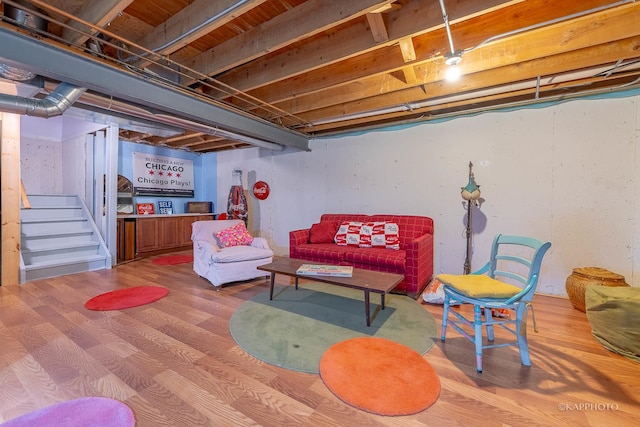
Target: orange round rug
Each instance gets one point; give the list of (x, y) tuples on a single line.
[(380, 376)]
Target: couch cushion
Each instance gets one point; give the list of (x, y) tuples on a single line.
[(323, 232), (321, 252), (375, 256), (478, 285), (240, 253)]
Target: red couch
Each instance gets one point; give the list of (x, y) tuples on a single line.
[(414, 259)]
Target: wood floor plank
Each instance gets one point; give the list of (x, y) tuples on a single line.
[(175, 363)]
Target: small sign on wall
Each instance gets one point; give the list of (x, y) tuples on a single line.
[(165, 207), (146, 208), (261, 190)]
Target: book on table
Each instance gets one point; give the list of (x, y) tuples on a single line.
[(325, 270)]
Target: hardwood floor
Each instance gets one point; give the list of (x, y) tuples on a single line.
[(175, 363)]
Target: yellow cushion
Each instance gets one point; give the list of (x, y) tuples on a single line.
[(478, 286)]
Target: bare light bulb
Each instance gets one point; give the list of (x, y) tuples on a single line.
[(452, 60), (453, 73)]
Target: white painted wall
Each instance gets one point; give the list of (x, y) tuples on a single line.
[(568, 174), (41, 165), (53, 154)]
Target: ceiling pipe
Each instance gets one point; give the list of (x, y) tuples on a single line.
[(54, 104), (453, 57)]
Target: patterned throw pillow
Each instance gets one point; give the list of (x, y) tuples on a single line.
[(348, 234), (366, 232), (379, 234), (387, 236), (234, 236)]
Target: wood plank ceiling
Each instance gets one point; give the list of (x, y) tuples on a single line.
[(322, 67)]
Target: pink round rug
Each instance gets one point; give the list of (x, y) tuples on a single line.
[(86, 411)]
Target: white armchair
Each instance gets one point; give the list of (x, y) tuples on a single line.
[(228, 264)]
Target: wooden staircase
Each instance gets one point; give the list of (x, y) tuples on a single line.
[(58, 236)]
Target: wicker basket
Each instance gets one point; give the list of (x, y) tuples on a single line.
[(589, 276)]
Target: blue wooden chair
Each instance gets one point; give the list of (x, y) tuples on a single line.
[(514, 259)]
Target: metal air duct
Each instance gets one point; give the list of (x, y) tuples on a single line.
[(54, 104), (26, 19)]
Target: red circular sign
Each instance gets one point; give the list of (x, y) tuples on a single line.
[(261, 190)]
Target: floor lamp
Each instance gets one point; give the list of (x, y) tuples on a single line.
[(470, 193)]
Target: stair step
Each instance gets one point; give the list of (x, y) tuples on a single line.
[(55, 268), (59, 252), (62, 206), (52, 219), (58, 237), (37, 200), (66, 261), (63, 247), (39, 241), (55, 212), (55, 234), (53, 225)]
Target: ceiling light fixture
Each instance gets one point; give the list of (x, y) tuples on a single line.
[(453, 58)]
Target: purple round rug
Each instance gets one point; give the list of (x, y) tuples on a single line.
[(86, 411)]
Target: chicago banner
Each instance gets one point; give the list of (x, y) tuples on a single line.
[(155, 175)]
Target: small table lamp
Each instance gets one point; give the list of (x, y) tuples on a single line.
[(471, 192)]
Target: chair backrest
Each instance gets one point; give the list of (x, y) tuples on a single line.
[(518, 258), (203, 230)]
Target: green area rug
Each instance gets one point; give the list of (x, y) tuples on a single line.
[(295, 329)]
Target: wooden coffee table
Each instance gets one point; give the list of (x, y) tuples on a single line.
[(365, 280)]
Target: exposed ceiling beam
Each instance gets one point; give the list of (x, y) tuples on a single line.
[(378, 30), (529, 70), (182, 137), (58, 63), (397, 92), (99, 13), (193, 22), (609, 25), (414, 19), (408, 55), (298, 23)]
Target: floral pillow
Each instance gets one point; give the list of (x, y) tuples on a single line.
[(234, 236)]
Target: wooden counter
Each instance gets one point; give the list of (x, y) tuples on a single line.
[(145, 235)]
